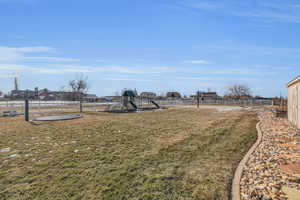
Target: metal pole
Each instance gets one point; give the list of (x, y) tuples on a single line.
[(80, 105), (198, 99), (26, 114)]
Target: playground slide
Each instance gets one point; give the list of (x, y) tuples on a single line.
[(157, 106), (133, 105)]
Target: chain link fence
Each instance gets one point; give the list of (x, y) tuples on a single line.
[(41, 108)]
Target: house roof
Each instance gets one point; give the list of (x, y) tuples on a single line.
[(147, 93), (208, 92), (294, 81)]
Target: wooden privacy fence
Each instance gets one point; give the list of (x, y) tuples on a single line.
[(294, 102)]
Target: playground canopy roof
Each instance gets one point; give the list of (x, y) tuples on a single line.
[(128, 93)]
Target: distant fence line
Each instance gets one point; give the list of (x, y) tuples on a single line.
[(46, 103), (42, 108), (246, 102)]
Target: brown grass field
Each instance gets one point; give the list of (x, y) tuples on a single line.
[(177, 154)]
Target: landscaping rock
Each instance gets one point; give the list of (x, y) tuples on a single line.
[(5, 150), (274, 164)]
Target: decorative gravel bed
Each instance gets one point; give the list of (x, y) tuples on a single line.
[(275, 164)]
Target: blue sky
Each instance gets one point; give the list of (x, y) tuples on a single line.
[(151, 45)]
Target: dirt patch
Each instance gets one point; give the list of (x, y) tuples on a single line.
[(293, 157), (290, 145), (284, 139), (291, 168)]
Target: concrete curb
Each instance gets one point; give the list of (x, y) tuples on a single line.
[(235, 188)]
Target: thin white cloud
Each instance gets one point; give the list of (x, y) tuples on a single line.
[(5, 76), (208, 5), (51, 59), (24, 53), (166, 72), (103, 61), (295, 6), (201, 62), (235, 71), (19, 1), (217, 78), (276, 11), (275, 67), (14, 68), (269, 15), (64, 69), (134, 70), (17, 53), (36, 49), (256, 50), (130, 79), (222, 71)]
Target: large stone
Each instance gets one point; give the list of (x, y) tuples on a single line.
[(291, 193), (291, 169)]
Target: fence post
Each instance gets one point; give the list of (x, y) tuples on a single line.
[(26, 114), (198, 99), (80, 105)]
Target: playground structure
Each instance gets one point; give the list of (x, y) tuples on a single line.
[(128, 100), (131, 102)]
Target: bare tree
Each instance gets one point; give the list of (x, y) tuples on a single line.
[(79, 87), (239, 91), (1, 93), (65, 93)]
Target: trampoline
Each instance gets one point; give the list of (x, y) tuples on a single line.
[(57, 118), (8, 113)]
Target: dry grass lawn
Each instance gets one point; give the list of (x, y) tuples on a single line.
[(181, 154)]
